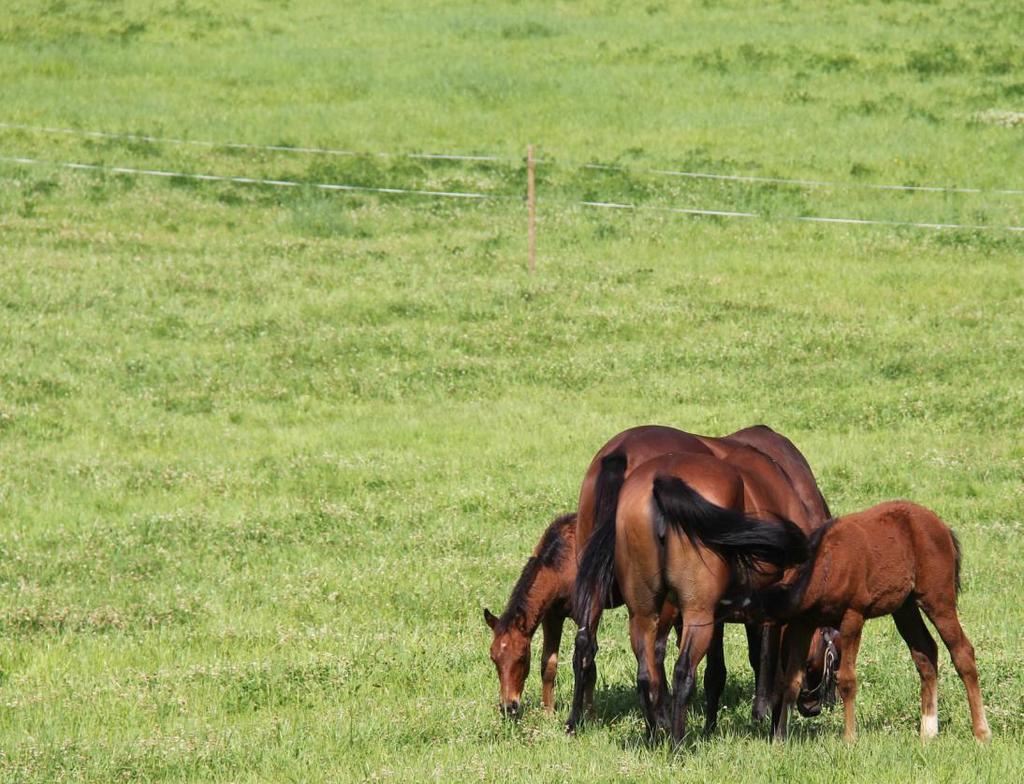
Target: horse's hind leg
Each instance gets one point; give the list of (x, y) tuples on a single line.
[(552, 626), (962, 653), (584, 669), (926, 658), (650, 678), (763, 643), (698, 630), (714, 679), (670, 618)]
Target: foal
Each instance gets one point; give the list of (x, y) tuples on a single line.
[(541, 597), (888, 560)]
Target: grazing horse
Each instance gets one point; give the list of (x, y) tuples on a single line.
[(788, 491), (541, 597), (888, 560), (818, 688), (684, 534)]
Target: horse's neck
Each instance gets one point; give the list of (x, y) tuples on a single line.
[(541, 595)]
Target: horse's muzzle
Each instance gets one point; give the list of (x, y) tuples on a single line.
[(510, 710)]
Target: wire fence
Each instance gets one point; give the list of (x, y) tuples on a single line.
[(483, 158), (483, 196)]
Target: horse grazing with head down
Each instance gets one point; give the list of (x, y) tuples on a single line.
[(888, 560), (542, 597), (780, 485), (684, 535)]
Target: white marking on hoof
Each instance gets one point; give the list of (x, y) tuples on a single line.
[(929, 727), (984, 734)]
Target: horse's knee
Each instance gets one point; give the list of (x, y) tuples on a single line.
[(847, 685), (925, 663), (584, 653), (586, 644)]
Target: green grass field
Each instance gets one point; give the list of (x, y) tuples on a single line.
[(265, 453)]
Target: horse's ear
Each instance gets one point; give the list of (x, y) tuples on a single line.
[(490, 618)]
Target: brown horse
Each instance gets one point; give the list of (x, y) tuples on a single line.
[(789, 491), (685, 533), (541, 597), (818, 685), (889, 560)]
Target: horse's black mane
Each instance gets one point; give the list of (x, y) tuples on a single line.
[(550, 553)]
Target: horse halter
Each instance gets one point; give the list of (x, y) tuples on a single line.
[(826, 689)]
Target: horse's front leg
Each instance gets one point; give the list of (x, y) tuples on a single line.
[(849, 634), (552, 628), (796, 643)]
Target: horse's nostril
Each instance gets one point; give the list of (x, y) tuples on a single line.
[(510, 710)]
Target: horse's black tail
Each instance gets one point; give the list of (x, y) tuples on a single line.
[(958, 560), (745, 543), (596, 576), (779, 602), (782, 602)]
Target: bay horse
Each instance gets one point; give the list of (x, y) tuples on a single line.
[(789, 491), (891, 559), (541, 597), (685, 535)]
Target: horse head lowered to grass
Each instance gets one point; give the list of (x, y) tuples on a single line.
[(542, 597), (895, 559)]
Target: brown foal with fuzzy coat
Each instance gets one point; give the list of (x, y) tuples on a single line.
[(541, 597), (888, 560)]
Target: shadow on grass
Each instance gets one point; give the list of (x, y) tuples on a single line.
[(618, 705)]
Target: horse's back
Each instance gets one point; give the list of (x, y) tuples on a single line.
[(792, 463), (884, 554), (716, 480), (770, 493), (637, 445)]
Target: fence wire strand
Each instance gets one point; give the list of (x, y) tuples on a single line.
[(481, 158), (476, 196)]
